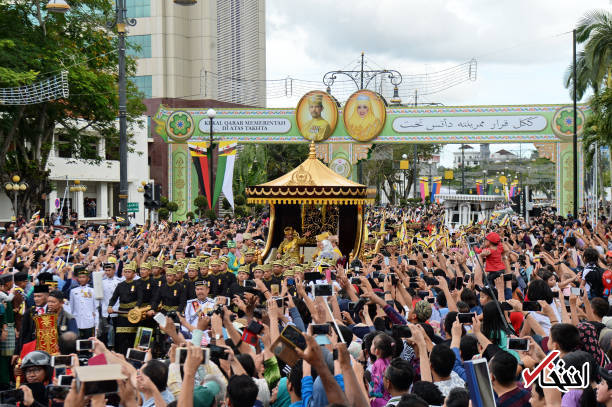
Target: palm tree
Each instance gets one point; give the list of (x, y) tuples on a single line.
[(594, 72), (594, 63)]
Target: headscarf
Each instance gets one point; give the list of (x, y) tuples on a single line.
[(590, 344), (363, 127)]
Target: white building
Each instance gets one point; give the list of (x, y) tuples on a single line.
[(471, 157), (100, 201), (214, 49), (503, 156)]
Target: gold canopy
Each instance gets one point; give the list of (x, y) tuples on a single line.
[(312, 182)]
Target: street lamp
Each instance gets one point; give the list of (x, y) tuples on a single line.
[(484, 181), (16, 187), (405, 165), (120, 21), (58, 6), (76, 188), (362, 78), (211, 113)]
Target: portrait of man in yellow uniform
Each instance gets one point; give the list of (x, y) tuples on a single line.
[(318, 122), (318, 128)]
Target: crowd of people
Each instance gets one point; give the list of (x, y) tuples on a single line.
[(191, 314)]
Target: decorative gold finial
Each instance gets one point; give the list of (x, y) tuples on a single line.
[(313, 150)]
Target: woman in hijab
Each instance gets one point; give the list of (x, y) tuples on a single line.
[(362, 124), (590, 344)]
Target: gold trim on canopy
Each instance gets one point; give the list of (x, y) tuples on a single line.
[(312, 173), (312, 182)]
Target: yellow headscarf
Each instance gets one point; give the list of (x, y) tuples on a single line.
[(363, 128)]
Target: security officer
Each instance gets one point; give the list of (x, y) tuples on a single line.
[(83, 304), (170, 298), (127, 294), (108, 322)]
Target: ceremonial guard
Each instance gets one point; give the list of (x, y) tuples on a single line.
[(44, 322), (227, 277), (179, 269), (19, 298), (193, 275), (7, 323), (146, 286), (157, 267), (83, 304), (290, 246), (249, 260), (127, 295), (170, 298)]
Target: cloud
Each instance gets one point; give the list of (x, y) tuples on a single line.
[(520, 46), (432, 31)]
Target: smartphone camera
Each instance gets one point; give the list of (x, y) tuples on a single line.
[(323, 290), (465, 317), (518, 344), (84, 345)]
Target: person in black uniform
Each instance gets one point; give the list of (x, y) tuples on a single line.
[(227, 277), (147, 287), (193, 275), (214, 278), (237, 288), (180, 267), (157, 267), (127, 295), (249, 260), (170, 298), (267, 275), (278, 268)]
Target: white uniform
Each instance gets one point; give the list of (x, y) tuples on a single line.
[(109, 285), (83, 306), (195, 305)]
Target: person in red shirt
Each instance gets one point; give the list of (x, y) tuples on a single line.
[(492, 253)]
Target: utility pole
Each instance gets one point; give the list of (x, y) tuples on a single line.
[(122, 21), (575, 138), (463, 168), (416, 155)]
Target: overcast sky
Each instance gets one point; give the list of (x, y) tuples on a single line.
[(522, 47)]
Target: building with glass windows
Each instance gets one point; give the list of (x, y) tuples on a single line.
[(214, 49)]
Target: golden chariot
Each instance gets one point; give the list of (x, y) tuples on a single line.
[(314, 198)]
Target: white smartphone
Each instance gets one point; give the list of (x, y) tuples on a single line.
[(64, 380), (61, 360), (84, 344), (135, 354), (160, 319)]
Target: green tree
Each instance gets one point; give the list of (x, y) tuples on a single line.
[(201, 203), (36, 44), (163, 213), (385, 173), (594, 71), (594, 63)]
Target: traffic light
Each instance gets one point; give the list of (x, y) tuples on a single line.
[(148, 196), (157, 192)]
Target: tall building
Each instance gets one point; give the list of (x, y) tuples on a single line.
[(214, 49)]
